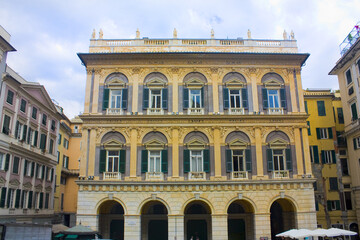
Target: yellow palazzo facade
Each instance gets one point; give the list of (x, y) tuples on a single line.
[(194, 138)]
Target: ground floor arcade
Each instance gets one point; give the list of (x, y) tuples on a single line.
[(195, 210)]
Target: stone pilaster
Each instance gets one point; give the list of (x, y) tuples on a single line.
[(219, 226), (262, 225), (176, 227), (132, 227)]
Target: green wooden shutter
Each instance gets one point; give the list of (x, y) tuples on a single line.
[(124, 98), (41, 200), (337, 204), (226, 98), (321, 108), (164, 96), (329, 205), (318, 133), (316, 154), (145, 98), (144, 161), (283, 98), (248, 160), (6, 126), (206, 153), (22, 201), (52, 175), (186, 160), (30, 199), (309, 131), (42, 141), (105, 104), (322, 156), (164, 161), (8, 198), (46, 201), (186, 98), (43, 172), (202, 96), (3, 197), (17, 129), (36, 138), (330, 133), (24, 133), (288, 159), (17, 199), (316, 206), (228, 158), (102, 162), (355, 144), (47, 173), (7, 162), (354, 112), (32, 168), (265, 98), (269, 159), (122, 163), (333, 155), (28, 136), (306, 108), (16, 165), (244, 95), (25, 166)]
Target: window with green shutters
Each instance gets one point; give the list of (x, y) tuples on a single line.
[(356, 142), (340, 115), (44, 119), (309, 130), (348, 77), (324, 133), (279, 159), (3, 197), (314, 154), (41, 200), (6, 125), (115, 98), (306, 108), (17, 198), (154, 161), (328, 156), (30, 200), (2, 161), (34, 113), (333, 183), (16, 164), (333, 205), (10, 97), (155, 98), (23, 105), (43, 141), (112, 161), (321, 108), (354, 114), (46, 200), (51, 146), (235, 98)]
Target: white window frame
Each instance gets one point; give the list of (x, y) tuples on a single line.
[(116, 99), (272, 98), (324, 134), (198, 159), (49, 174), (12, 193), (234, 96), (333, 205), (155, 98), (2, 160), (357, 140), (76, 129), (19, 130), (276, 158), (327, 156), (28, 169), (112, 159), (65, 161), (192, 104), (241, 162), (154, 161), (312, 157), (25, 199)]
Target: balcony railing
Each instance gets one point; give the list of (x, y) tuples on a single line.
[(194, 111), (239, 175), (281, 174), (114, 111), (275, 110), (236, 111), (197, 176), (111, 176), (350, 39), (155, 111), (154, 176)]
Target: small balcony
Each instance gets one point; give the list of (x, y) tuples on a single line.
[(154, 176), (236, 111), (239, 175), (278, 174), (275, 110), (114, 111), (197, 176), (111, 176), (155, 111), (195, 111)]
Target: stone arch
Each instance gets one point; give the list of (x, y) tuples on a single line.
[(195, 75), (150, 199), (116, 76), (233, 135), (244, 199), (111, 218), (154, 135), (288, 198), (113, 135), (234, 76), (272, 76), (103, 200), (200, 199), (156, 75), (276, 134), (196, 134)]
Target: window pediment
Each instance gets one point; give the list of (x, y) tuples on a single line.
[(194, 83), (235, 83), (112, 145), (196, 144), (154, 144), (38, 188), (48, 189), (278, 143), (27, 185), (116, 83), (2, 181), (238, 144), (156, 83), (273, 83)]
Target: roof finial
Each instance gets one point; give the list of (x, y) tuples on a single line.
[(212, 34), (249, 34), (93, 35), (137, 34), (292, 35), (101, 34), (175, 33), (285, 35)]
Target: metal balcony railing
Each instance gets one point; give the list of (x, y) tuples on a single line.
[(281, 174), (350, 39)]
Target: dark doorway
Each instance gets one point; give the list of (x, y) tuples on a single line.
[(117, 230), (282, 217), (158, 230), (196, 229), (236, 229), (197, 221)]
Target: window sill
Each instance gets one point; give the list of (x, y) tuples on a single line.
[(154, 176), (197, 176), (239, 175), (281, 174)]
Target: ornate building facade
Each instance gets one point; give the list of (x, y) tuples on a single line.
[(186, 137)]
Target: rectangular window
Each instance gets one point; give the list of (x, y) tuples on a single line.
[(2, 161), (51, 146), (348, 203), (235, 98), (66, 143), (238, 160), (23, 105), (333, 205), (112, 163), (342, 152), (273, 97), (333, 183), (10, 97), (356, 142), (195, 98), (58, 156), (30, 136), (11, 198), (354, 114), (16, 165), (344, 167), (279, 160), (59, 140), (52, 125), (37, 200), (44, 119), (6, 125), (196, 161), (39, 171), (315, 186), (43, 142), (115, 98), (348, 77), (327, 156), (154, 161), (309, 130), (321, 108), (46, 201), (24, 199), (306, 108), (62, 202), (34, 113), (28, 169), (76, 129), (155, 98), (323, 133), (65, 161), (18, 130)]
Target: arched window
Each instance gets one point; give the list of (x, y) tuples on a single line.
[(274, 94), (193, 93), (115, 97), (235, 95), (155, 94)]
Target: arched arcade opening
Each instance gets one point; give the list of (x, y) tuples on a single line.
[(111, 220), (154, 221), (282, 216), (197, 221), (240, 220)]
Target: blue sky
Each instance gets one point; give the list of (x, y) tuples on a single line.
[(48, 34)]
